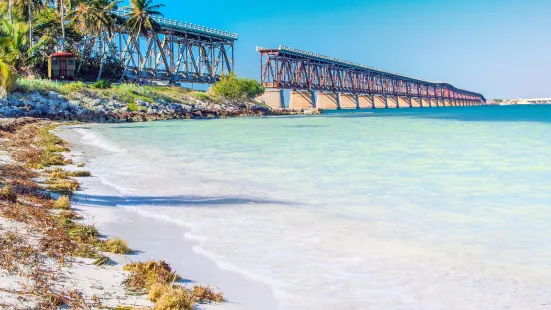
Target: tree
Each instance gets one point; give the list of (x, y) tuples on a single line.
[(64, 6), (7, 44), (141, 21), (97, 20), (236, 90), (25, 9)]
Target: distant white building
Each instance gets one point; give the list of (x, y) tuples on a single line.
[(527, 101), (534, 101)]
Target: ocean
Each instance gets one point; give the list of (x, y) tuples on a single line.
[(430, 208)]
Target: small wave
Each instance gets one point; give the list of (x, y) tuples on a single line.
[(91, 138), (272, 283)]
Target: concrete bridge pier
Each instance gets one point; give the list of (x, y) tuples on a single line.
[(392, 102), (433, 102), (380, 102), (273, 98), (328, 101), (416, 102), (425, 102), (302, 99), (403, 102), (447, 103), (349, 101), (366, 101)]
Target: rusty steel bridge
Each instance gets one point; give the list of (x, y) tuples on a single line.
[(342, 84), (176, 52)]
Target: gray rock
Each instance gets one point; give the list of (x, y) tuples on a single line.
[(142, 103)]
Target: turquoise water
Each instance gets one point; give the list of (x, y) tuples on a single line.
[(386, 209)]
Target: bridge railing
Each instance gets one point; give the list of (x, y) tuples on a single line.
[(183, 26)]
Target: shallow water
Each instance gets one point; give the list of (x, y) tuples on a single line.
[(385, 209)]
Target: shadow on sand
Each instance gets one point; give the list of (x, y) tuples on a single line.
[(167, 201)]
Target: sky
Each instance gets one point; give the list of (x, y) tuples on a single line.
[(501, 49)]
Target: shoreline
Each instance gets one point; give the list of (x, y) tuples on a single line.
[(52, 254), (125, 221)]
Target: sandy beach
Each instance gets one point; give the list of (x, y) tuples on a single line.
[(161, 237), (54, 253)]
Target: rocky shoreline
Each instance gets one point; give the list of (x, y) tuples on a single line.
[(54, 106)]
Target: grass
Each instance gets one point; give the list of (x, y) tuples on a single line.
[(63, 203), (144, 274), (117, 246), (63, 185), (58, 173), (102, 84), (8, 193), (168, 297), (204, 294), (201, 95)]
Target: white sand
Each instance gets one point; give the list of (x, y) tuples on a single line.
[(161, 240)]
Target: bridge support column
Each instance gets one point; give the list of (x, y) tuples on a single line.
[(302, 99), (425, 102), (403, 102), (447, 103), (366, 101), (380, 101), (328, 101), (416, 102), (392, 102), (433, 102), (273, 98), (348, 101)]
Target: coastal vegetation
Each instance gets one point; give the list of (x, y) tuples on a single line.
[(30, 31)]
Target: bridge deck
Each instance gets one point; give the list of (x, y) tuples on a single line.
[(292, 68), (180, 28)]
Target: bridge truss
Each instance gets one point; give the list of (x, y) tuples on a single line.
[(177, 52), (288, 68)]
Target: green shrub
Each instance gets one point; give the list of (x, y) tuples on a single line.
[(102, 84), (132, 106), (235, 89)]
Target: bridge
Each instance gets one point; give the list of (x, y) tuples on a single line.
[(345, 85), (177, 52)]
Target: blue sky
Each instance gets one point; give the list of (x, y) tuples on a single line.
[(501, 49)]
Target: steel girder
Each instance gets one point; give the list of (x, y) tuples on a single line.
[(169, 55), (301, 70)]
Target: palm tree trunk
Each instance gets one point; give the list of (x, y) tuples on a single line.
[(10, 10), (30, 25), (62, 16), (83, 50), (139, 51), (101, 58)]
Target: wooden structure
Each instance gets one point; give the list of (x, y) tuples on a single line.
[(62, 66)]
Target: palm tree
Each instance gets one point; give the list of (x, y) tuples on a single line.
[(6, 46), (140, 20), (25, 9), (64, 7), (97, 19)]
